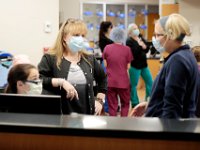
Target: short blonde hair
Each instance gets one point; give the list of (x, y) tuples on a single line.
[(176, 26), (130, 29)]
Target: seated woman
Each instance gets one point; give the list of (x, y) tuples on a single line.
[(23, 79)]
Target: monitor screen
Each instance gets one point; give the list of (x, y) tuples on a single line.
[(35, 104)]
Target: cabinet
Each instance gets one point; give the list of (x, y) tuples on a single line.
[(121, 14)]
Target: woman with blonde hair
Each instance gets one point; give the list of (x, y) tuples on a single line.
[(139, 66), (69, 67), (176, 88)]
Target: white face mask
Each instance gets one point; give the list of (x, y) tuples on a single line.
[(34, 88), (157, 45)]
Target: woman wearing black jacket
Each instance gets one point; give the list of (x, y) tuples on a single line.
[(139, 65), (104, 34), (104, 39), (69, 67)]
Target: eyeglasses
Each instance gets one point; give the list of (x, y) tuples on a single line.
[(158, 35), (34, 81)]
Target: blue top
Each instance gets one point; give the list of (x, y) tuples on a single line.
[(176, 88)]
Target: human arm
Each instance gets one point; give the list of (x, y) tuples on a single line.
[(51, 82), (143, 44), (176, 82), (100, 77), (105, 63), (101, 81), (46, 68)]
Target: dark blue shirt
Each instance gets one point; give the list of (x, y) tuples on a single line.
[(175, 89)]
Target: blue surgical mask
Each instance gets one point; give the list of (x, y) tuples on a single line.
[(157, 45), (77, 43), (136, 32)]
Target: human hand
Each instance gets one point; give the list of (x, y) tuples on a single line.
[(71, 91), (101, 96), (98, 107), (99, 103), (141, 43), (138, 110)]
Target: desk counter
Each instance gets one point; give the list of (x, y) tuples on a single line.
[(29, 131)]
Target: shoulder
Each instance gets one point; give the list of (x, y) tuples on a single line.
[(110, 45), (181, 56), (110, 41), (49, 56), (89, 57), (130, 41), (182, 60), (126, 47), (48, 59), (106, 40)]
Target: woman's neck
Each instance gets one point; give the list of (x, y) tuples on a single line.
[(107, 35), (135, 37), (120, 43), (173, 46), (72, 57)]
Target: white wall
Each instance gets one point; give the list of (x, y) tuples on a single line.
[(191, 10), (22, 26)]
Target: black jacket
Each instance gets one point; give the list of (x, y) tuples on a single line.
[(139, 54), (93, 71), (103, 41)]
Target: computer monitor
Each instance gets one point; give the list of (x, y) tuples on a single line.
[(34, 104)]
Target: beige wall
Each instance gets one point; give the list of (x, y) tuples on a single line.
[(69, 9), (22, 26), (191, 10)]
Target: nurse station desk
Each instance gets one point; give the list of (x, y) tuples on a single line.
[(62, 132)]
